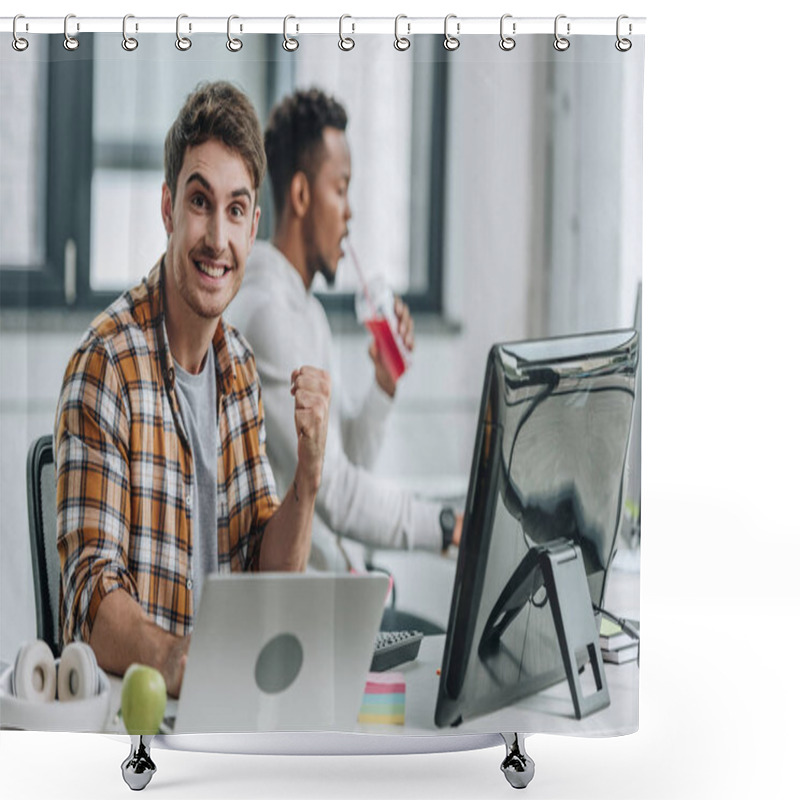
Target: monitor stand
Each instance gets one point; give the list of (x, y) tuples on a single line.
[(558, 567), (568, 590)]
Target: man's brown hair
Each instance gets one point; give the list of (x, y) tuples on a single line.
[(215, 111)]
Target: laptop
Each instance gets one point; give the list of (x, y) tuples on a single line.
[(280, 652)]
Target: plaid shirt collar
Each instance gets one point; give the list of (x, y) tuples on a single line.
[(226, 368)]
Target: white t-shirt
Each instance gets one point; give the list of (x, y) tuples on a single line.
[(197, 396)]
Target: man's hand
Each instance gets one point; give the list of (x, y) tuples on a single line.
[(405, 327), (457, 529), (286, 543), (311, 389), (174, 664)]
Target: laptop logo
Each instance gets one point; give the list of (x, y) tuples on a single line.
[(279, 663)]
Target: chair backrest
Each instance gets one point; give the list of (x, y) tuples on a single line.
[(43, 532)]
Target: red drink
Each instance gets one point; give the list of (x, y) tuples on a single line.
[(388, 348), (375, 309)]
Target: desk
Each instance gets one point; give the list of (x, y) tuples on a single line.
[(548, 711)]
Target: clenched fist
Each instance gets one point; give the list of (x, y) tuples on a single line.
[(311, 389)]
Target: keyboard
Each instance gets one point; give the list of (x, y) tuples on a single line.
[(393, 648)]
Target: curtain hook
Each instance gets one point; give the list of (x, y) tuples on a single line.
[(18, 43), (561, 43), (623, 45), (345, 42), (289, 44), (507, 42), (451, 42), (183, 43), (70, 42), (128, 42), (233, 44), (401, 42)]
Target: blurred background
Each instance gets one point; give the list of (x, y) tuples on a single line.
[(499, 192)]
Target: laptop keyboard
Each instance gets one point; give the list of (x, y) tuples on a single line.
[(393, 648)]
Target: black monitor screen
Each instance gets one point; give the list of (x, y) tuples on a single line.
[(548, 466)]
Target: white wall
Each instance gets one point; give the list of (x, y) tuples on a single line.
[(32, 363)]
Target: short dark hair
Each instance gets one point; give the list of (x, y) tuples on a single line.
[(293, 139), (215, 111)]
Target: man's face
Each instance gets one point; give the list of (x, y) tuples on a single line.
[(325, 225), (211, 222)]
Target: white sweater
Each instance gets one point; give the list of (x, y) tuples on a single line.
[(287, 327)]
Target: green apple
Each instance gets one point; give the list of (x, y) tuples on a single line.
[(143, 701)]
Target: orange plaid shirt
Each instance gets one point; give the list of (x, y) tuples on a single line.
[(124, 466)]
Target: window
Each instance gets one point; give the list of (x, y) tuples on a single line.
[(87, 223), (23, 163), (396, 136), (41, 176)]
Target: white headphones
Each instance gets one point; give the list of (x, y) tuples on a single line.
[(36, 677)]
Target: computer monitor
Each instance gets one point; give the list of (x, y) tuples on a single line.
[(632, 510), (548, 468)]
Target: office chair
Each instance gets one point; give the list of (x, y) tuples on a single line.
[(44, 554)]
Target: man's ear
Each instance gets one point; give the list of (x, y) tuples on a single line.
[(166, 208), (299, 194)]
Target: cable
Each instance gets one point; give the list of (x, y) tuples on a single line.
[(623, 623), (626, 626)]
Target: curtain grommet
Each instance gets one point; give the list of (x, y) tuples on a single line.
[(346, 43), (560, 43), (70, 42), (450, 42), (290, 44), (233, 44), (622, 44), (507, 42), (129, 43), (18, 42), (183, 43), (401, 43)]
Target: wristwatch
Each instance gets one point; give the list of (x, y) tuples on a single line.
[(447, 519)]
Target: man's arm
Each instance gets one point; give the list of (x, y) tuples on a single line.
[(93, 490), (123, 634), (287, 540), (350, 500)]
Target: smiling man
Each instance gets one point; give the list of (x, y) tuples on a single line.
[(162, 469), (308, 159)]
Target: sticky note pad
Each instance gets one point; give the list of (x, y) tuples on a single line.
[(384, 700)]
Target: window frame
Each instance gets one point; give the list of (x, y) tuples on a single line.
[(71, 95), (44, 285)]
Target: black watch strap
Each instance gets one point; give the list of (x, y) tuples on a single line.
[(447, 520)]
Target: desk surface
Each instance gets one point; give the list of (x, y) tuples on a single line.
[(548, 711)]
